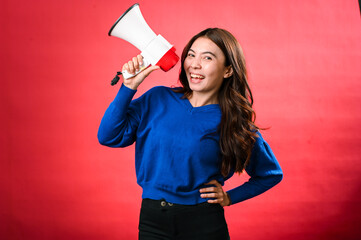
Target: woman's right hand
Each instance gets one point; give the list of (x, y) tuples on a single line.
[(131, 67)]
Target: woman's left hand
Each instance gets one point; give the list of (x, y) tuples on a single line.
[(217, 193)]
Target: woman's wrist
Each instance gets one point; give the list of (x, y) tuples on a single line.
[(229, 201), (131, 86)]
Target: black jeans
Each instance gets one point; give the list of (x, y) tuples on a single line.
[(160, 220)]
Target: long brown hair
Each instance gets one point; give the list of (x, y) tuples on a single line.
[(237, 128)]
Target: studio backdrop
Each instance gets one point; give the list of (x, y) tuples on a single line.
[(57, 61)]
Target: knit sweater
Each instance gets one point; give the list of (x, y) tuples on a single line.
[(177, 146)]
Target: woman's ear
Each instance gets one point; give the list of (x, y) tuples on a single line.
[(228, 72)]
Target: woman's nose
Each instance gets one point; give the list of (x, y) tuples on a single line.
[(196, 63)]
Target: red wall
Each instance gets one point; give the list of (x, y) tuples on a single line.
[(57, 61)]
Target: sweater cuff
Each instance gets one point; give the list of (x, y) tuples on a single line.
[(124, 96)]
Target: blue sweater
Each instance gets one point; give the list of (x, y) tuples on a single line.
[(177, 146)]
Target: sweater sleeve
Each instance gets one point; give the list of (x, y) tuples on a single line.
[(120, 121), (264, 171)]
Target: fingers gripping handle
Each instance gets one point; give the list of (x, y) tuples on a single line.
[(146, 64)]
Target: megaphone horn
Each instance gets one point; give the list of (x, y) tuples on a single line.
[(155, 49)]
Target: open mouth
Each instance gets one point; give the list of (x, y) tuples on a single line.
[(196, 78)]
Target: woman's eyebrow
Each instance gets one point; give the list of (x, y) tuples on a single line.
[(207, 52)]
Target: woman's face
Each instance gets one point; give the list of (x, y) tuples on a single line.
[(205, 66)]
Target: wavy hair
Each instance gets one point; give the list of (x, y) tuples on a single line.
[(237, 128)]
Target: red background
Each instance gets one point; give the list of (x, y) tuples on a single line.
[(57, 61)]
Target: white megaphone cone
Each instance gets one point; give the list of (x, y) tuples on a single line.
[(155, 50)]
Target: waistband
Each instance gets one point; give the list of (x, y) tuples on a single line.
[(164, 204)]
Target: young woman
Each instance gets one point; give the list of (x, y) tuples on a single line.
[(190, 140)]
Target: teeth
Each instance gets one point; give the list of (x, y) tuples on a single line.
[(196, 76)]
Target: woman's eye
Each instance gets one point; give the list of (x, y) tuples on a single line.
[(190, 55), (208, 58)]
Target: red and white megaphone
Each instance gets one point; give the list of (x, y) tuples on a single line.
[(155, 50)]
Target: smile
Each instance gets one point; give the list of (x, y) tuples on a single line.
[(196, 76)]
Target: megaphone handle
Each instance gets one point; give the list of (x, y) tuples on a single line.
[(146, 64)]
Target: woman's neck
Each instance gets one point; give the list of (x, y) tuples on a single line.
[(198, 99)]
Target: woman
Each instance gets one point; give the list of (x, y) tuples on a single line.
[(190, 140)]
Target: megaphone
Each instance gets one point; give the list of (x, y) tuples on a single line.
[(155, 49)]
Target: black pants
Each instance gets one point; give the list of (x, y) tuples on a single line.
[(160, 220)]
